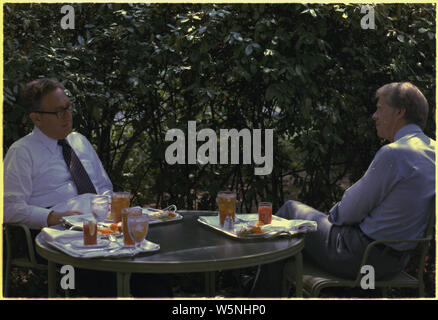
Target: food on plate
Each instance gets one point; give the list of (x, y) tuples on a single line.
[(116, 226), (113, 228), (105, 231), (259, 224), (160, 214), (247, 231)]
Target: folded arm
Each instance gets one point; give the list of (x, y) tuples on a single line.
[(368, 192)]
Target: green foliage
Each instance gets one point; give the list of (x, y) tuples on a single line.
[(307, 71)]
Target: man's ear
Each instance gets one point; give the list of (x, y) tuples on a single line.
[(401, 113), (35, 117)]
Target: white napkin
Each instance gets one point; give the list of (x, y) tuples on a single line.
[(60, 236), (80, 203), (77, 220), (292, 226)]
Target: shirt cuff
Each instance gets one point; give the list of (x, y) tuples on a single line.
[(39, 217), (333, 215)]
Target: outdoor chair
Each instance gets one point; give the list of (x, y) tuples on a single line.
[(315, 279), (26, 259), (22, 259)]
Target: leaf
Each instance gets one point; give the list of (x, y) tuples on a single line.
[(248, 50), (202, 30), (401, 38), (268, 52), (271, 92), (237, 36)]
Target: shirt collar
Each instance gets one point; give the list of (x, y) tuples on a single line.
[(407, 129), (50, 143)]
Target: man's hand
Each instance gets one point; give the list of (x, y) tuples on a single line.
[(54, 218)]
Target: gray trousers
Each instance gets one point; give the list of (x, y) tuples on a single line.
[(337, 249)]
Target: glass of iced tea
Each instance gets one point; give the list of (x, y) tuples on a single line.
[(265, 212), (138, 226), (119, 201), (226, 201), (90, 232), (126, 212)]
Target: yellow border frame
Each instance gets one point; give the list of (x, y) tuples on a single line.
[(180, 2)]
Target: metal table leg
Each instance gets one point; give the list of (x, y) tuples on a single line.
[(123, 287), (210, 283), (299, 274), (51, 274)]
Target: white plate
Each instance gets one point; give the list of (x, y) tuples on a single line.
[(155, 217), (79, 244)]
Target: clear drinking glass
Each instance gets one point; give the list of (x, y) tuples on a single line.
[(138, 226), (120, 200), (226, 201), (100, 207), (127, 240), (265, 212), (90, 232)]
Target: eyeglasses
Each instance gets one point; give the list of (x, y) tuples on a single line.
[(60, 113)]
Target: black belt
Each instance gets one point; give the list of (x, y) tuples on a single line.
[(383, 247)]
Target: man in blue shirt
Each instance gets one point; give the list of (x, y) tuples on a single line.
[(391, 201)]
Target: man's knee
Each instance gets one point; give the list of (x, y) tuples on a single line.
[(291, 208), (286, 210)]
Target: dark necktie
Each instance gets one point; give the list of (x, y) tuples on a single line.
[(77, 170)]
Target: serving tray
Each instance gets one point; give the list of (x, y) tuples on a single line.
[(244, 223)]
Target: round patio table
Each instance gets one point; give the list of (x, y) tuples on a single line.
[(186, 246)]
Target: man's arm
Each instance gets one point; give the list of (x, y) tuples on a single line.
[(367, 193), (54, 217), (18, 190)]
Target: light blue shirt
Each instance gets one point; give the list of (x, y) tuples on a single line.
[(393, 198), (36, 176)]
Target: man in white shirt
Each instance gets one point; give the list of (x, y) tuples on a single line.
[(36, 176)]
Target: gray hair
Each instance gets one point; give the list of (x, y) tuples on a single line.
[(35, 90), (404, 95)]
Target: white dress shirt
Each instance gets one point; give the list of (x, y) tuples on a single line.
[(36, 176)]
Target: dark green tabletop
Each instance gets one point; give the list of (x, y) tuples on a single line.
[(185, 246)]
